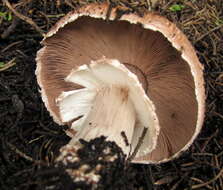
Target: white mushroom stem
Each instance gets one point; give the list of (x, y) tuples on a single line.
[(111, 114), (113, 101)]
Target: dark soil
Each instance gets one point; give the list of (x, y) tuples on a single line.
[(98, 156), (30, 139)]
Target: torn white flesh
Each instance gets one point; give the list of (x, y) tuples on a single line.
[(111, 113), (113, 101)]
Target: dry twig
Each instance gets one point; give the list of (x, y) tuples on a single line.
[(10, 29), (24, 18), (8, 65), (140, 141), (208, 182), (208, 33), (23, 155)]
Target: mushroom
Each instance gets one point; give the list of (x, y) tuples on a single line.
[(103, 76)]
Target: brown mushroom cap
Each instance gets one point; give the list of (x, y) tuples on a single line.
[(151, 47)]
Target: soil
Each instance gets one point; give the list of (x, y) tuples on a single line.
[(30, 139), (97, 165)]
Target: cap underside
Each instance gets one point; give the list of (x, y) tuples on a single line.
[(167, 78)]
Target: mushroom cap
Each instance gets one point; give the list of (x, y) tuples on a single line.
[(151, 47)]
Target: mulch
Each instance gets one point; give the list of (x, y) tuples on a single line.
[(28, 135)]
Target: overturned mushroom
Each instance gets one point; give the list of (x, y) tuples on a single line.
[(138, 72)]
